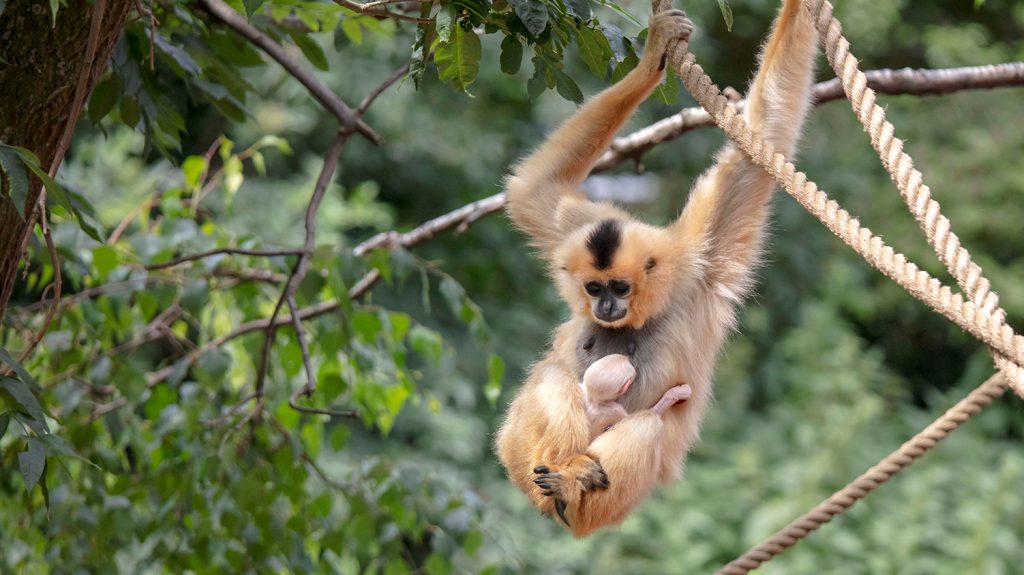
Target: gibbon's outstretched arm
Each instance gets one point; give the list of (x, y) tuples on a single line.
[(727, 209), (543, 187)]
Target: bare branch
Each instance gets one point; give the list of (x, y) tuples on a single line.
[(379, 12), (315, 310), (329, 100), (221, 251), (301, 266), (56, 287), (462, 217)]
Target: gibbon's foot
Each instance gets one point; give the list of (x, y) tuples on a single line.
[(665, 27)]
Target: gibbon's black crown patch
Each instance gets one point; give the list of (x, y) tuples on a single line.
[(603, 242)]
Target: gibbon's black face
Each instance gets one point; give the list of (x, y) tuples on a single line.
[(609, 300)]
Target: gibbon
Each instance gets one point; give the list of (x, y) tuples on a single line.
[(664, 296)]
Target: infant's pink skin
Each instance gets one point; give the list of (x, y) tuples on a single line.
[(606, 380), (671, 397)]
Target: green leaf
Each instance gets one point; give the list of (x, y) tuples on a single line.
[(458, 61), (251, 6), (511, 55), (668, 91), (180, 58), (103, 97), (54, 6), (6, 358), (19, 392), (31, 462), (353, 30), (537, 83), (473, 540), (446, 22), (14, 174), (426, 34), (311, 50), (192, 168), (532, 13), (426, 342), (579, 8), (568, 89), (105, 260), (495, 371), (130, 112), (726, 13), (5, 420), (595, 50), (159, 397)]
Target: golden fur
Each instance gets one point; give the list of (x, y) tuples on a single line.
[(679, 311)]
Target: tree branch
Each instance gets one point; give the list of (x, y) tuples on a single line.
[(372, 9), (329, 100), (220, 251), (301, 266)]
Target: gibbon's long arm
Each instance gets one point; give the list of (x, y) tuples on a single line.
[(543, 196), (727, 209)]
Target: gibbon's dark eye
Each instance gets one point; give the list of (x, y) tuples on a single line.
[(619, 288), (593, 289), (651, 262), (589, 345)]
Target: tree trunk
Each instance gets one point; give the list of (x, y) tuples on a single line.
[(40, 66)]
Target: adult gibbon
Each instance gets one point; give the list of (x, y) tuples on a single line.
[(665, 296)]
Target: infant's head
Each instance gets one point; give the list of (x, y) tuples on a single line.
[(608, 378)]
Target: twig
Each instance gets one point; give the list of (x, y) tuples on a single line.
[(301, 266), (315, 310), (366, 10), (56, 285), (394, 77), (221, 251), (309, 388), (463, 216), (329, 100)]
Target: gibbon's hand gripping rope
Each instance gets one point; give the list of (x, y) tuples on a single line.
[(980, 315)]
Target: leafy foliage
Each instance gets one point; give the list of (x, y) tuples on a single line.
[(130, 440)]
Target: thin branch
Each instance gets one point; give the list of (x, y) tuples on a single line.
[(229, 251), (56, 287), (367, 10), (462, 217), (315, 310), (301, 266), (309, 388), (394, 77), (329, 100)]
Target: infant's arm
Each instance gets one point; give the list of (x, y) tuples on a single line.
[(671, 397)]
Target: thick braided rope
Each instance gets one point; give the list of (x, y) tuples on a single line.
[(915, 193), (983, 325), (910, 182), (857, 489)]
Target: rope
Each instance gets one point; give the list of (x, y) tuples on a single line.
[(986, 326), (915, 193), (857, 489), (980, 315)]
